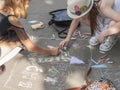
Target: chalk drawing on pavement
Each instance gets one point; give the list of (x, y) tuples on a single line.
[(112, 74), (56, 76), (63, 57), (27, 77)]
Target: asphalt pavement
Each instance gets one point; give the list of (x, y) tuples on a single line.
[(30, 71)]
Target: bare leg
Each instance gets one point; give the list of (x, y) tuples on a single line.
[(6, 47)]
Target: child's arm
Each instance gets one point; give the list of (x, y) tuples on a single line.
[(25, 40), (114, 29), (72, 28), (107, 9)]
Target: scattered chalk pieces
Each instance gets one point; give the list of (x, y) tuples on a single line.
[(107, 59), (72, 38), (33, 21), (49, 46), (99, 66), (65, 48), (94, 61), (110, 62), (53, 37)]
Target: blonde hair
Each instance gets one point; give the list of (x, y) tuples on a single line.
[(17, 7), (2, 3)]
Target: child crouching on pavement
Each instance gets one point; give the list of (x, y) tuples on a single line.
[(114, 30), (10, 12), (98, 14)]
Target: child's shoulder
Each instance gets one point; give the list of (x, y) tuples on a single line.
[(15, 21)]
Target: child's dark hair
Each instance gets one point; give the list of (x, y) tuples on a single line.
[(93, 17)]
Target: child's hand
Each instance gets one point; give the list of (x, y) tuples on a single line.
[(55, 51), (102, 36), (64, 43)]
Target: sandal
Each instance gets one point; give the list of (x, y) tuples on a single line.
[(2, 68)]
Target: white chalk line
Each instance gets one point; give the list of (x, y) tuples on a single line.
[(10, 76)]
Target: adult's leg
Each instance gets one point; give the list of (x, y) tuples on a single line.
[(5, 48)]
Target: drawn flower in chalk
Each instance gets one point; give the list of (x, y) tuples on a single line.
[(78, 10), (83, 8)]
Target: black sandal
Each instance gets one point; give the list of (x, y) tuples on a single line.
[(2, 68)]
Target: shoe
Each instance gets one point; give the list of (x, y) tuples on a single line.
[(93, 41), (2, 68), (109, 43)]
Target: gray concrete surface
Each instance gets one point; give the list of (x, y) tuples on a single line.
[(29, 71)]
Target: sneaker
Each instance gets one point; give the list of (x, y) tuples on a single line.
[(108, 44), (2, 68), (93, 41)]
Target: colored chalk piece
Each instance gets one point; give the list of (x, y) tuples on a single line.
[(99, 66), (110, 62), (37, 25), (73, 38)]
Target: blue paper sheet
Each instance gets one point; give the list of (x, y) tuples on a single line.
[(75, 60)]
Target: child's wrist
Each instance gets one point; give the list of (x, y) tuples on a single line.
[(69, 36)]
